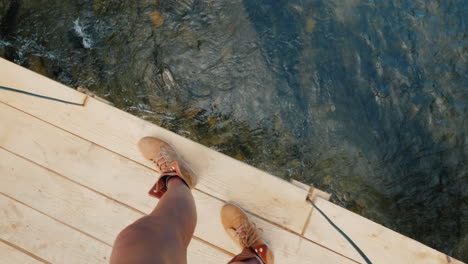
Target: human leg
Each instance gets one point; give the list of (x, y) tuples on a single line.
[(250, 261), (163, 235)]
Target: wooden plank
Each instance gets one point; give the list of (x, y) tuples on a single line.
[(301, 185), (81, 208), (288, 247), (379, 243), (206, 161), (221, 176), (313, 192), (46, 238), (120, 179), (62, 199), (91, 166), (9, 77), (10, 255)]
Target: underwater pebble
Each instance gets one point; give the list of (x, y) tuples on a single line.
[(157, 18), (310, 25)]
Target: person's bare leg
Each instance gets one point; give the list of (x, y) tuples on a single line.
[(163, 236), (250, 261)]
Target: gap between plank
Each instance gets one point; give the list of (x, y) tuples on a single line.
[(57, 220), (22, 250), (99, 193), (288, 230), (307, 222), (75, 182), (152, 169)]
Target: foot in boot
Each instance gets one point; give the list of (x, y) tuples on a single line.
[(246, 235), (168, 163)]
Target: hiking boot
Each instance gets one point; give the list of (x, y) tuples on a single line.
[(246, 235), (168, 162)]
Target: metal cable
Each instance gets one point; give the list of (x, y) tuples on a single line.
[(40, 96), (341, 232)]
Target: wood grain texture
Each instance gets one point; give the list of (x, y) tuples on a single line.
[(117, 178), (221, 176), (380, 244), (9, 255), (122, 178), (81, 208), (47, 238)]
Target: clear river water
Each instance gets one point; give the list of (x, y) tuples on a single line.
[(365, 99)]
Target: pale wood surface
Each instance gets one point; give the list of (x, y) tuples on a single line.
[(380, 244), (47, 238), (270, 197), (83, 209), (9, 255), (90, 153), (118, 178)]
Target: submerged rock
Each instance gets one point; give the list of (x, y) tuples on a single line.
[(313, 91), (4, 7), (157, 18)]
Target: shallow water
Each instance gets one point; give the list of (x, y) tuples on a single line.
[(364, 99)]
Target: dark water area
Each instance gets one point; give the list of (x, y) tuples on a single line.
[(364, 99)]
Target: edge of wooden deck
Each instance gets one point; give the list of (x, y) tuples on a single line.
[(278, 203)]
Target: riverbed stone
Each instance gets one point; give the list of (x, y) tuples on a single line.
[(4, 7), (157, 18), (226, 74)]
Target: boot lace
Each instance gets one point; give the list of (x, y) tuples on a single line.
[(163, 161), (248, 233)]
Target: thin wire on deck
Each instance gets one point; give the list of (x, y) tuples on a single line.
[(40, 96), (310, 201), (341, 232)]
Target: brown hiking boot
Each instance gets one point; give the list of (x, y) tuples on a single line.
[(246, 235), (168, 162)]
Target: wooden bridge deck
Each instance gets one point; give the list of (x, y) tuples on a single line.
[(71, 177)]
